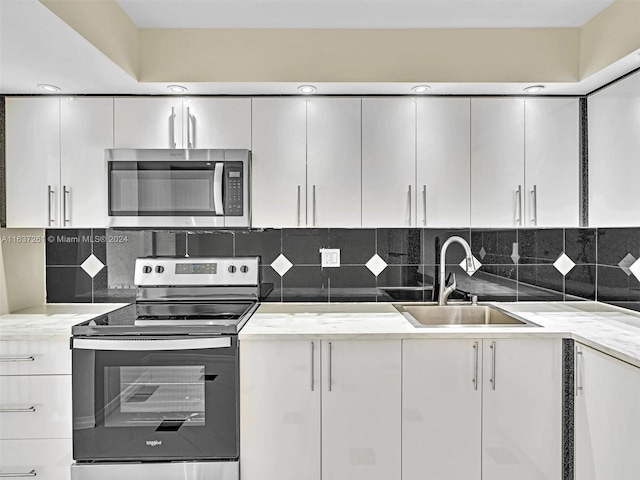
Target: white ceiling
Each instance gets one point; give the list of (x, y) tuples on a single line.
[(38, 47), (361, 13)]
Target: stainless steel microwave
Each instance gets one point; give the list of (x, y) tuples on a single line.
[(178, 188)]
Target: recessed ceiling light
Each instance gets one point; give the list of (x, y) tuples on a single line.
[(49, 88), (534, 89), (421, 89), (177, 88), (306, 89)]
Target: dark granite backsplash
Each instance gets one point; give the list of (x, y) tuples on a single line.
[(386, 264)]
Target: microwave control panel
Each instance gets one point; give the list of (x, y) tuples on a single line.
[(234, 189)]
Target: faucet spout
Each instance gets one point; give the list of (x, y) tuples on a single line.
[(445, 291)]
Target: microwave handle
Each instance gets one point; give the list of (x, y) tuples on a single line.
[(150, 345), (217, 188)]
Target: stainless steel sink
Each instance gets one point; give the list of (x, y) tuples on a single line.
[(433, 315)]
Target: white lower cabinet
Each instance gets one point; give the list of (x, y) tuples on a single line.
[(46, 459), (320, 409), (607, 422), (482, 409), (35, 409)]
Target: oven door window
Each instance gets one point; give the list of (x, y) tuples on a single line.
[(164, 188), (165, 398)]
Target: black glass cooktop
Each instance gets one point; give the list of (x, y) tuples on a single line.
[(170, 319)]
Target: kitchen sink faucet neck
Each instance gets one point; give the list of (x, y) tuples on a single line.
[(446, 290)]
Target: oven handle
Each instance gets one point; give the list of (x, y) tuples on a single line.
[(147, 345), (217, 188)]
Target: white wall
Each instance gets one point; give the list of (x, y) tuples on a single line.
[(22, 269)]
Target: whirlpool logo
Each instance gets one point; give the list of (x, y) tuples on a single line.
[(154, 443)]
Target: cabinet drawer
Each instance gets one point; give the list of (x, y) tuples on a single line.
[(48, 459), (35, 406), (39, 357)]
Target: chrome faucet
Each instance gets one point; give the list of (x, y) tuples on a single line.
[(445, 291)]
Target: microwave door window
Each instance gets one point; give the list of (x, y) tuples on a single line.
[(163, 189)]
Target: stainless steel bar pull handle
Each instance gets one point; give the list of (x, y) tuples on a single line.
[(298, 211), (50, 192), (313, 365), (18, 410), (409, 201), (314, 205), (66, 197), (330, 372), (172, 128), (519, 205), (17, 359), (534, 205), (424, 205), (493, 366), (189, 142), (32, 473), (578, 369), (475, 365)]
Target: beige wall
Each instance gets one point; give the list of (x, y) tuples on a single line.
[(22, 269)]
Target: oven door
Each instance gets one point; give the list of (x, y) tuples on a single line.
[(155, 399)]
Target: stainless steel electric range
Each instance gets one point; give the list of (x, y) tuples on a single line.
[(155, 384)]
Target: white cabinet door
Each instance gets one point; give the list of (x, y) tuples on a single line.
[(334, 162), (217, 123), (35, 406), (522, 409), (443, 156), (279, 170), (614, 153), (33, 162), (607, 422), (552, 160), (280, 410), (441, 409), (145, 122), (48, 459), (497, 162), (361, 410), (86, 131), (388, 162)]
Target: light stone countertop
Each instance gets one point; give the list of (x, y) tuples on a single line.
[(610, 329), (50, 321)]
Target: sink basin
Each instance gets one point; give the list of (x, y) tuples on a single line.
[(432, 315)]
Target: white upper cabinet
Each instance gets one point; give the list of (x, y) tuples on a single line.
[(217, 123), (334, 162), (607, 424), (497, 162), (443, 156), (279, 171), (148, 122), (388, 162), (86, 130), (33, 162), (552, 192), (614, 154)]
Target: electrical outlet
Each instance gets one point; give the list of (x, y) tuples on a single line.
[(330, 257)]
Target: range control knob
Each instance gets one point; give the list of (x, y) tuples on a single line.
[(147, 269), (159, 269), (244, 269), (232, 269)]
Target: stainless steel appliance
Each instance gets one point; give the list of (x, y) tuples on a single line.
[(155, 384), (178, 188)]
